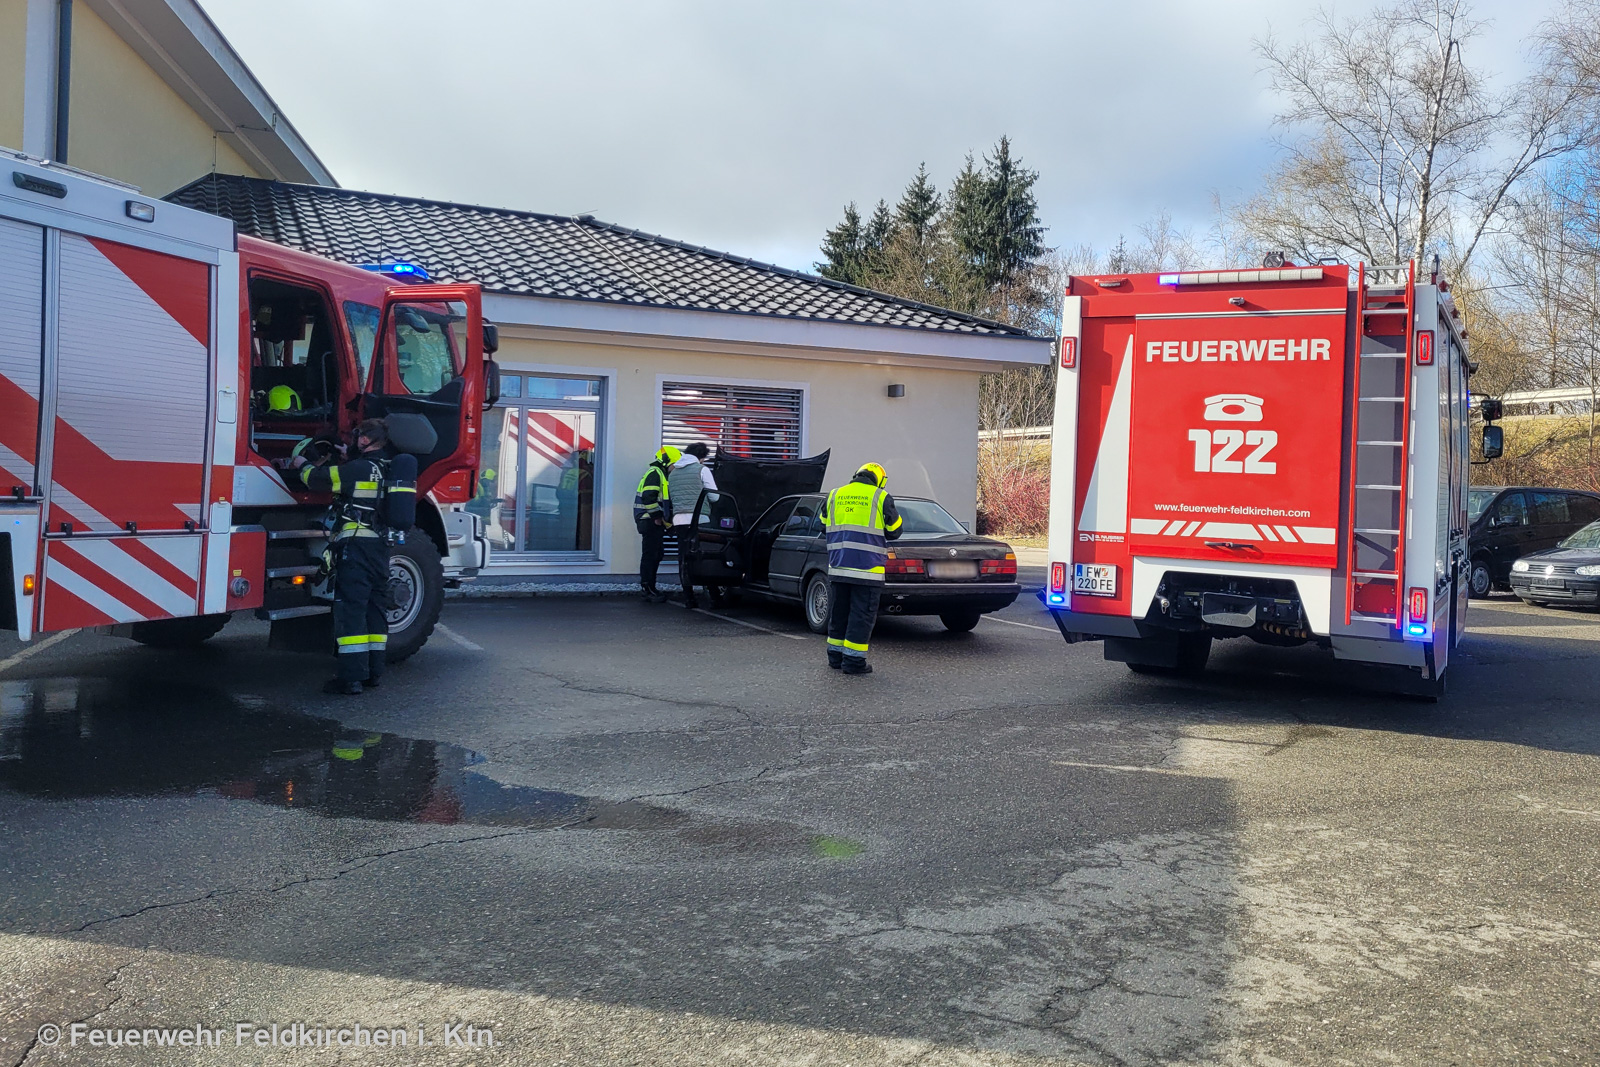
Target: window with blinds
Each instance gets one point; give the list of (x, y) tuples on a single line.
[(741, 420)]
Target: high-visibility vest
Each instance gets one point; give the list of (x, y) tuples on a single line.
[(857, 546), (650, 499)]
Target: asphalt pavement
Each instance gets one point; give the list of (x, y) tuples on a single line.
[(603, 832)]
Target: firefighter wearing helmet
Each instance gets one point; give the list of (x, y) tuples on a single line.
[(861, 520), (372, 496), (652, 512)]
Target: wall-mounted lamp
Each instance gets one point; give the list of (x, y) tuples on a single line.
[(897, 391)]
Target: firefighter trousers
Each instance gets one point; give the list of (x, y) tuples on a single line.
[(360, 600), (655, 546), (853, 613)]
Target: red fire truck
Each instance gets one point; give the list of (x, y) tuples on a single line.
[(153, 366), (1277, 454)]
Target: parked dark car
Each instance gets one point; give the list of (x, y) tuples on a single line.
[(1566, 574), (935, 567), (1506, 523)]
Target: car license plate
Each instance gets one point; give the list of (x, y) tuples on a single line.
[(957, 569), (1095, 579), (1550, 587)]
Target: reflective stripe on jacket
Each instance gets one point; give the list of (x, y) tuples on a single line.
[(651, 500), (358, 485), (861, 519)]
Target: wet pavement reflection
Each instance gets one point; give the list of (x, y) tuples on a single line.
[(76, 738)]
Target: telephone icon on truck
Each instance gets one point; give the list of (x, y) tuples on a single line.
[(1233, 407)]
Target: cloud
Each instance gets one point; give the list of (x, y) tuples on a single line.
[(747, 126)]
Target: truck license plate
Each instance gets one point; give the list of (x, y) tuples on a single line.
[(1095, 579)]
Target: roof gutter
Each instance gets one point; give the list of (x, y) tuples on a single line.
[(629, 325)]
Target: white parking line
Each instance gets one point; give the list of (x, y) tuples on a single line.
[(751, 625), (1029, 625), (18, 657), (470, 646)]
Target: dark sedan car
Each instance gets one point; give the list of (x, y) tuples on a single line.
[(1566, 574), (935, 567), (1507, 523)]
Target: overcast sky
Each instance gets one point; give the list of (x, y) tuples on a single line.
[(746, 125)]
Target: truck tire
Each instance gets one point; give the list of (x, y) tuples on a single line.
[(960, 622), (818, 603), (416, 589), (1480, 579), (190, 632)]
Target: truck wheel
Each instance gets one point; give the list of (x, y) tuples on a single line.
[(959, 622), (1480, 581), (818, 603), (416, 589), (178, 633)]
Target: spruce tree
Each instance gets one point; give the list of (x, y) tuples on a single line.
[(919, 206), (842, 249)]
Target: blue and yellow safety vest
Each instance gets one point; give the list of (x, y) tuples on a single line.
[(860, 518)]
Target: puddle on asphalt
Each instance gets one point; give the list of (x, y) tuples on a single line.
[(72, 738)]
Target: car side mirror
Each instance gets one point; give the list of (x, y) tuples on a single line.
[(1494, 442)]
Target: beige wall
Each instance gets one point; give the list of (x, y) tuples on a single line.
[(927, 440), (126, 122), (13, 51)]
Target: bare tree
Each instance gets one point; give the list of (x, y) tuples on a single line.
[(1395, 144)]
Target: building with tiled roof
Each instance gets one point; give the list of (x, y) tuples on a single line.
[(614, 341)]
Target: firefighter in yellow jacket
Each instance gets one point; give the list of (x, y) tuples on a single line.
[(861, 520)]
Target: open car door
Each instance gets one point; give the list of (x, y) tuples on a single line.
[(718, 556), (429, 361)]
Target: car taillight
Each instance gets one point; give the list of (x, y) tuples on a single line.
[(897, 565), (1417, 609), (1058, 577), (999, 568)]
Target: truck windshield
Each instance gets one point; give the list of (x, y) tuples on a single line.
[(1477, 500), (1588, 537), (924, 518)]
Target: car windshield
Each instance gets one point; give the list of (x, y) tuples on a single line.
[(1588, 537), (1477, 500), (924, 518)]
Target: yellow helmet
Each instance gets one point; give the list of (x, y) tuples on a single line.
[(281, 398), (880, 477), (667, 455)]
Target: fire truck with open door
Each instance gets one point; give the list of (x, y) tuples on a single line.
[(1277, 454), (140, 342)]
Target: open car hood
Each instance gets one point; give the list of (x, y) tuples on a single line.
[(757, 484)]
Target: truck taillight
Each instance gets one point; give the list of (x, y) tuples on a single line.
[(1424, 348), (1417, 609), (897, 565), (1002, 568), (1069, 352), (1058, 577)]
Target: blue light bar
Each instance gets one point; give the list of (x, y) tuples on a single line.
[(1057, 598), (402, 272), (1417, 629)]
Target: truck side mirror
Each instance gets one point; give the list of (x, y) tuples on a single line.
[(491, 383), (491, 339), (1491, 409), (1494, 442)]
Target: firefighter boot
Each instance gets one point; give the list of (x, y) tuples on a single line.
[(340, 687), (856, 665)]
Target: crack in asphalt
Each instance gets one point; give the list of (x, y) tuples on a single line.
[(116, 975)]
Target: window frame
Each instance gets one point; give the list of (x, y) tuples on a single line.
[(803, 388)]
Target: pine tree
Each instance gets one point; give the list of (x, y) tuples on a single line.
[(1018, 239), (842, 249), (919, 206)]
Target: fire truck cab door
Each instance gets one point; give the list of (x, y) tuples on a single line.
[(429, 362)]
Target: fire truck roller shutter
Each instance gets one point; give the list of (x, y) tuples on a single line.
[(21, 351)]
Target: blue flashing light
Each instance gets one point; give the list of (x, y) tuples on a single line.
[(1057, 598), (402, 272), (1168, 279), (1417, 630)]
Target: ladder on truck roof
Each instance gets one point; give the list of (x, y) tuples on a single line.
[(1380, 446)]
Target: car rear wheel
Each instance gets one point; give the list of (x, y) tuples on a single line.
[(960, 621), (1480, 581), (818, 603)]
